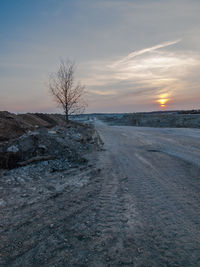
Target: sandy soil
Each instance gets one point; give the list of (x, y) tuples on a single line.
[(134, 204)]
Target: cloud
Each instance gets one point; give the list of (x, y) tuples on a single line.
[(103, 93), (152, 67), (143, 51), (145, 75)]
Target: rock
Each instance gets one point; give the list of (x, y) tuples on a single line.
[(20, 180), (24, 195), (42, 148), (52, 132), (13, 149), (2, 203), (33, 133), (78, 137)]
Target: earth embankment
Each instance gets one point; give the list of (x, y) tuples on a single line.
[(174, 120)]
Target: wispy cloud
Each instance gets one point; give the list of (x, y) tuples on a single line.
[(103, 93), (144, 51), (144, 75), (144, 66)]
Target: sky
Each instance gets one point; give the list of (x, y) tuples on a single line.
[(131, 55)]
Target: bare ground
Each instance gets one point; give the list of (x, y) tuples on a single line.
[(134, 204)]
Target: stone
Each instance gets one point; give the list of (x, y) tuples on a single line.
[(13, 149), (2, 203), (52, 132)]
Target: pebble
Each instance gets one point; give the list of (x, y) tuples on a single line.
[(13, 149), (2, 203), (24, 195)]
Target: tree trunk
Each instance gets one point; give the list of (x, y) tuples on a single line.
[(66, 116)]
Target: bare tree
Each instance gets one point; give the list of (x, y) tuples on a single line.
[(68, 95)]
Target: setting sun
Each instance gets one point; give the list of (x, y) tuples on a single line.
[(162, 102)]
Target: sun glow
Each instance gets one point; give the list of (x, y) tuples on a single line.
[(163, 102)]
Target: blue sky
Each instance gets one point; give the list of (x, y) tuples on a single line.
[(129, 53)]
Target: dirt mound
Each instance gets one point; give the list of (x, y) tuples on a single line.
[(11, 126), (33, 121), (51, 119), (44, 144), (42, 120), (29, 138)]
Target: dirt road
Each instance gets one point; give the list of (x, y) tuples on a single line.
[(151, 191), (138, 206)]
